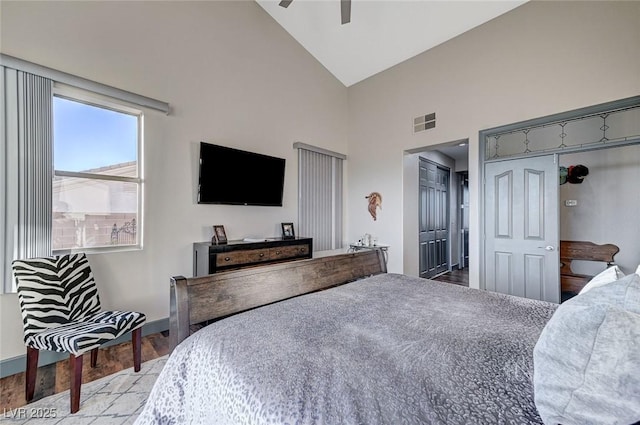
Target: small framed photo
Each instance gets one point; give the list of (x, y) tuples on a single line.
[(287, 231), (219, 235)]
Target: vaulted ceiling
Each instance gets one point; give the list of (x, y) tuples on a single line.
[(381, 33)]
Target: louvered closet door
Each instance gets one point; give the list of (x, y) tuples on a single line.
[(521, 228)]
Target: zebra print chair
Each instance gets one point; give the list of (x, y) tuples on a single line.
[(61, 312)]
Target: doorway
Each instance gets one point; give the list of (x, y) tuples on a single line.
[(604, 126), (453, 155), (602, 206)]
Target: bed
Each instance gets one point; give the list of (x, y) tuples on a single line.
[(337, 340)]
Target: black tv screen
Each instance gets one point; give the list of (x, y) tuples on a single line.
[(237, 177)]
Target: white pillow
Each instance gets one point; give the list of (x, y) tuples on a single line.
[(608, 275), (638, 270), (586, 363)]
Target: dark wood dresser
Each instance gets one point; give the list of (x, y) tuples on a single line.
[(210, 258)]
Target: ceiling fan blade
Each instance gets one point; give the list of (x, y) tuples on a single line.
[(345, 11), (285, 3)]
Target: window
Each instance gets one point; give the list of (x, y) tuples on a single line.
[(97, 183)]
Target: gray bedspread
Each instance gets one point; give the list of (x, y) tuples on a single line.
[(389, 349)]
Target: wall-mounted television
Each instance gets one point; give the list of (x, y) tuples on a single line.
[(236, 177)]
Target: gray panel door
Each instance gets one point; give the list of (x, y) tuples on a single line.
[(521, 228), (434, 219), (463, 221)]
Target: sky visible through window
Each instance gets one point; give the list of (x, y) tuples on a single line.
[(87, 137)]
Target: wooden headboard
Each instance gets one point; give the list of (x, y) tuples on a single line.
[(199, 299), (584, 251)]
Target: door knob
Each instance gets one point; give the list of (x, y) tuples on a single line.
[(547, 248)]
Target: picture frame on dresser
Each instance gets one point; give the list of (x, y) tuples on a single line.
[(219, 235), (287, 231)]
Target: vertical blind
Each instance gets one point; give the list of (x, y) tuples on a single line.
[(27, 166), (320, 196)]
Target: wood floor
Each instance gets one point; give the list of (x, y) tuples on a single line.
[(456, 276), (54, 378)]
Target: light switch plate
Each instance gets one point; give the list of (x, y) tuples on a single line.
[(570, 203)]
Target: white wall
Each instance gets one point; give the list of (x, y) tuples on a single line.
[(539, 59), (233, 77), (608, 205)]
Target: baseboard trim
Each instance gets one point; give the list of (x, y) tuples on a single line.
[(18, 364)]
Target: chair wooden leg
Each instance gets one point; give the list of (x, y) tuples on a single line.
[(136, 336), (94, 357), (31, 372), (75, 376)]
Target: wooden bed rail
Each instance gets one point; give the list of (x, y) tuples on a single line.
[(199, 299)]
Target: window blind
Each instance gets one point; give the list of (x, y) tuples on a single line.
[(320, 179), (26, 157)]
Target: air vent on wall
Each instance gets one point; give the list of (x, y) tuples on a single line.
[(424, 122)]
